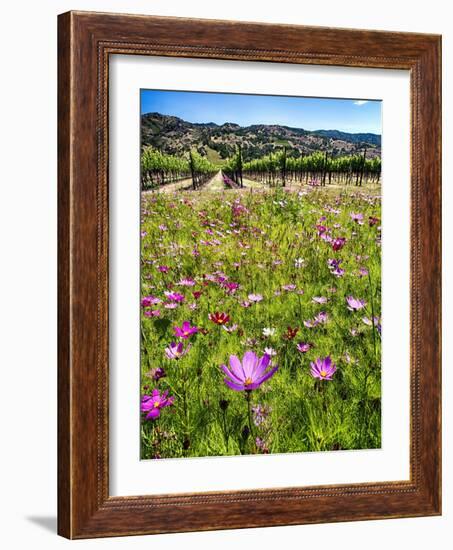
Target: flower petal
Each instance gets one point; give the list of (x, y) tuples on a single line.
[(232, 385), (249, 362), (261, 366), (231, 374), (265, 376), (153, 413), (236, 367)]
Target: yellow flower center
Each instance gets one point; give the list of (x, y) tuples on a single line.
[(248, 381), (323, 373), (156, 404)]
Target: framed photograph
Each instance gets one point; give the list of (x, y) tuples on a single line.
[(249, 275)]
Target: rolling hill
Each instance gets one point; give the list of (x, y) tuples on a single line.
[(172, 135)]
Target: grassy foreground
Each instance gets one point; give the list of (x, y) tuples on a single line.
[(292, 276)]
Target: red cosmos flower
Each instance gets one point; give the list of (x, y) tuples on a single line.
[(290, 333), (372, 221), (197, 294), (219, 318)]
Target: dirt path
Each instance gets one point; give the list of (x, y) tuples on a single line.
[(215, 184), (181, 185)]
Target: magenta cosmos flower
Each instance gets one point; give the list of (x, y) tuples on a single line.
[(338, 243), (148, 301), (176, 350), (323, 369), (250, 374), (152, 404), (185, 330), (354, 304), (174, 296)]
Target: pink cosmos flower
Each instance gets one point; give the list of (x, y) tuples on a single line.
[(321, 318), (156, 373), (338, 272), (230, 329), (148, 301), (152, 313), (358, 218), (319, 299), (376, 322), (334, 266), (255, 298), (289, 288), (354, 304), (369, 322), (152, 404), (249, 374), (303, 347), (186, 282), (323, 369), (176, 350), (185, 330), (163, 268)]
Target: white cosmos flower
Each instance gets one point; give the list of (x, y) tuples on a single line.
[(268, 331)]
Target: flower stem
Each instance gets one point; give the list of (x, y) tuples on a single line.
[(372, 316), (248, 395), (225, 431)]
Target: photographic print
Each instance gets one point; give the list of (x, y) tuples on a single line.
[(260, 274)]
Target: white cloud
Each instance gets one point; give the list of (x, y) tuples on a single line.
[(360, 102)]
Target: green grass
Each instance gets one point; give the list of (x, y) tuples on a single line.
[(214, 156), (256, 247)]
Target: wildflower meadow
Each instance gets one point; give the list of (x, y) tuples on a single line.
[(260, 318)]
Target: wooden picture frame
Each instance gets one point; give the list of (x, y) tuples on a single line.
[(85, 41)]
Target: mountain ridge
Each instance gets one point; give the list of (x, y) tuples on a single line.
[(173, 135)]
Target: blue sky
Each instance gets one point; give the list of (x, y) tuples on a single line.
[(347, 115)]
